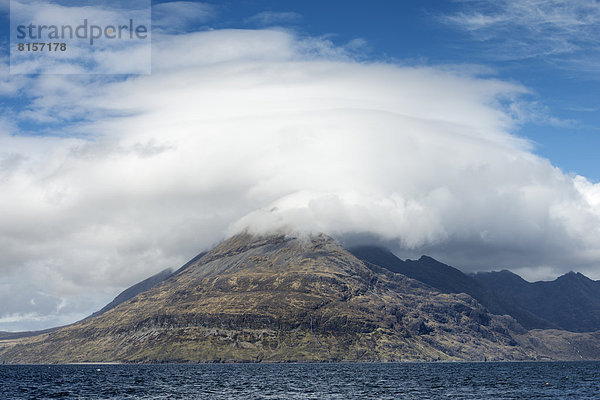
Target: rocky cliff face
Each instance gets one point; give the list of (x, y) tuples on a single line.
[(279, 298)]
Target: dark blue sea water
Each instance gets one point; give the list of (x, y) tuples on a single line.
[(577, 380)]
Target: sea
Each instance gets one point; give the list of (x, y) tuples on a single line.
[(464, 380)]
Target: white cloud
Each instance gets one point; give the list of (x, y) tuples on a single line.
[(534, 28), (260, 129)]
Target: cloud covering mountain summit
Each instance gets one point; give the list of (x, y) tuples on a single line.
[(264, 130)]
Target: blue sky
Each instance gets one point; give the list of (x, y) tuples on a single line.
[(465, 130)]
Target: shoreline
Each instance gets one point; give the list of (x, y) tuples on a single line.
[(305, 363)]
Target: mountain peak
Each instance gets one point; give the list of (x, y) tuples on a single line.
[(573, 277), (247, 251)]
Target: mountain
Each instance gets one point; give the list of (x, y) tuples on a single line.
[(450, 280), (571, 302), (280, 299)]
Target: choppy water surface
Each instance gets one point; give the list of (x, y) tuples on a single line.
[(577, 380)]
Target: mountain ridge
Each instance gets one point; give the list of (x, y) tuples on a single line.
[(571, 301), (449, 280)]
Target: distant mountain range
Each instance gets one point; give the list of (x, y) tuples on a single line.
[(280, 299), (571, 302)]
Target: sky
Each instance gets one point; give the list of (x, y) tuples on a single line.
[(465, 130)]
